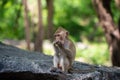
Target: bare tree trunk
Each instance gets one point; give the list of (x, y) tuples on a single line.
[(27, 25), (107, 6), (50, 8), (39, 39), (110, 29)]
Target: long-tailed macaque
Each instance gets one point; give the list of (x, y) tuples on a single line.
[(64, 50)]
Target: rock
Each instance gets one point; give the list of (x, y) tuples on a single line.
[(17, 64)]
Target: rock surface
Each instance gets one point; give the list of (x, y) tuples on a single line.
[(17, 64)]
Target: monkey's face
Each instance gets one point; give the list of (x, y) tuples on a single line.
[(59, 38)]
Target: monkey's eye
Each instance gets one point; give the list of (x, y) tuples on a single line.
[(57, 35)]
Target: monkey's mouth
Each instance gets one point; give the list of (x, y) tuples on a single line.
[(59, 42)]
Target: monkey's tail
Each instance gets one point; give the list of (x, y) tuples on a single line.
[(72, 70)]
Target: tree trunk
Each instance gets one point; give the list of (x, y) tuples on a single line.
[(110, 29), (40, 34), (27, 25), (50, 8), (107, 6)]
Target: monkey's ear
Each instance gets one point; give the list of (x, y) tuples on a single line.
[(67, 33)]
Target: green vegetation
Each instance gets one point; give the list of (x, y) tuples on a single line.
[(95, 54), (11, 20), (77, 14)]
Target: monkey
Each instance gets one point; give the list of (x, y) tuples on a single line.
[(65, 50)]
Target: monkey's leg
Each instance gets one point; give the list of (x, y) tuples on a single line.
[(56, 61), (64, 63)]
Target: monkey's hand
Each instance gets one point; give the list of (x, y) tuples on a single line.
[(58, 44), (55, 43)]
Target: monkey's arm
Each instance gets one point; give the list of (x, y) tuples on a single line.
[(56, 48), (60, 48), (65, 51)]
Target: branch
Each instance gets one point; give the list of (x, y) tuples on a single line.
[(105, 18)]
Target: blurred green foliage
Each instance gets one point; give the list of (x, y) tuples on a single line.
[(95, 54), (11, 21), (77, 16)]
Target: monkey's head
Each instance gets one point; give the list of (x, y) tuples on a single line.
[(60, 35)]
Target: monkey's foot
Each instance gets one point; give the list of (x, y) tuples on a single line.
[(56, 70)]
